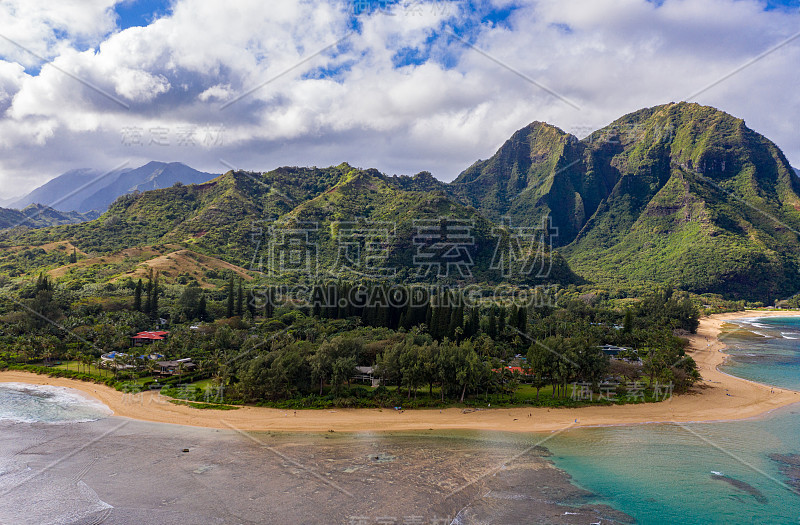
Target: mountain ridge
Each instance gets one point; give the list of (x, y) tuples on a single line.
[(87, 189), (39, 216), (677, 194), (237, 215)]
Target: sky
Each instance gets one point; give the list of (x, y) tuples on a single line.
[(399, 85)]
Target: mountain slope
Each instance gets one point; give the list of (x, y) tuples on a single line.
[(413, 208), (38, 216), (151, 176), (65, 192), (677, 194), (535, 174), (85, 189), (254, 219)]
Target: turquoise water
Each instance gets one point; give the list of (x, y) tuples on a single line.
[(23, 403), (765, 350), (703, 472)]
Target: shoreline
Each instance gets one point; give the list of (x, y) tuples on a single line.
[(717, 397)]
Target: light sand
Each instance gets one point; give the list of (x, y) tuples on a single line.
[(719, 397)]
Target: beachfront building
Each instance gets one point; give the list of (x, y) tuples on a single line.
[(177, 367), (366, 374), (612, 351), (115, 360), (143, 338)]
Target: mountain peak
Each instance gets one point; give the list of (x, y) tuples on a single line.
[(680, 193), (86, 189)]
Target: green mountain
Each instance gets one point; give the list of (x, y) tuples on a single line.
[(391, 228), (678, 194), (537, 173), (39, 216)]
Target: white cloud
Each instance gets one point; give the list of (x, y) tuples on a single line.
[(46, 28), (139, 86), (11, 78), (358, 101), (216, 92)]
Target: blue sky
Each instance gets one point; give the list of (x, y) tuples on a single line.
[(480, 14), (140, 13)]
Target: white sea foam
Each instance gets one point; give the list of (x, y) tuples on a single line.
[(24, 403)]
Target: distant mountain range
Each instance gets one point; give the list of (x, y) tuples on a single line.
[(678, 194), (38, 216), (84, 190)]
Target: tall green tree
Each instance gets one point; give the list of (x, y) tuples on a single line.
[(202, 308), (231, 298), (148, 304), (154, 314), (540, 363), (137, 296)]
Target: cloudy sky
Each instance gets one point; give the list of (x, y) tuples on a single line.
[(402, 86)]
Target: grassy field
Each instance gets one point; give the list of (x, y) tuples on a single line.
[(86, 369)]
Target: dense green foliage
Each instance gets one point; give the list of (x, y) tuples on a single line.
[(679, 194), (443, 350), (239, 217)]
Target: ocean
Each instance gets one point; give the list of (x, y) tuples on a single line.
[(733, 472), (64, 460)]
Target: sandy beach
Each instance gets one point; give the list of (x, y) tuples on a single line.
[(718, 397)]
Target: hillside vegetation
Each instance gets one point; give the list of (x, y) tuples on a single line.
[(679, 194)]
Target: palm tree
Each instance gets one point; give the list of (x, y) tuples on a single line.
[(150, 365), (47, 353), (86, 360)]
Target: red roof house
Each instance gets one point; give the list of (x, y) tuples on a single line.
[(149, 337)]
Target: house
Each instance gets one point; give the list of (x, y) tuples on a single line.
[(177, 367), (366, 373), (513, 369), (111, 356), (611, 350), (110, 360), (148, 337)]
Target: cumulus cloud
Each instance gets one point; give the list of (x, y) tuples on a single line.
[(34, 27), (11, 77), (408, 87), (216, 92), (138, 85)]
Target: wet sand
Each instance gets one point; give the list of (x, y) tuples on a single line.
[(121, 471), (719, 397)]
